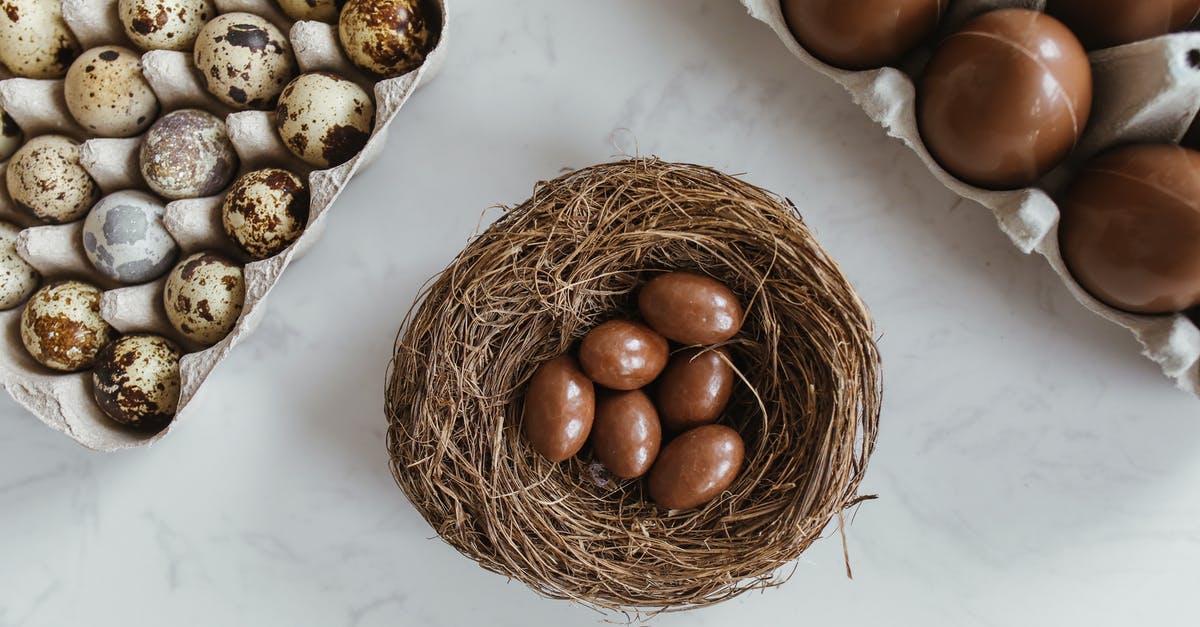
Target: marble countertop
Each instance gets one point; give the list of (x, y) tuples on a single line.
[(1032, 468)]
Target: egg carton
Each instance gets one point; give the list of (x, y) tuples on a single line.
[(1147, 91), (64, 401)]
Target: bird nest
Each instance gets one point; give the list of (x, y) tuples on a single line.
[(530, 286)]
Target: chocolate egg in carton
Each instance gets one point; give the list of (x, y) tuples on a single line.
[(64, 401), (1145, 91)]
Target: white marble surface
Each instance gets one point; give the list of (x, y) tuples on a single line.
[(1032, 468)]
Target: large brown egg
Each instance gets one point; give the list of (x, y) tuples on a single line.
[(626, 434), (861, 34), (1104, 23), (694, 388), (560, 405), (1005, 98), (696, 466), (1130, 228), (623, 355), (690, 308)]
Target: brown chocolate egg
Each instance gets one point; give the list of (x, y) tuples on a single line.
[(560, 405), (1130, 228), (626, 434), (1005, 98), (623, 355), (862, 34), (694, 388), (1105, 23), (690, 308), (696, 466)]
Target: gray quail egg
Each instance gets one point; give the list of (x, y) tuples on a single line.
[(385, 37), (107, 94), (18, 279), (45, 178), (136, 381), (318, 10), (125, 240), (61, 326), (164, 24), (324, 119), (187, 154), (244, 61), (265, 211), (203, 297), (10, 136), (34, 40)]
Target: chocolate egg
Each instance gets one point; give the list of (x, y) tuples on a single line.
[(61, 326), (861, 34), (694, 388), (1104, 23), (626, 434), (136, 381), (1130, 228), (1004, 99), (623, 355), (690, 308), (560, 405), (696, 466)]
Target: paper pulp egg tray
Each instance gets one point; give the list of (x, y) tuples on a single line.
[(64, 401), (1147, 91)]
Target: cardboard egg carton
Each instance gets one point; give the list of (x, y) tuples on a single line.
[(1147, 91), (64, 401)]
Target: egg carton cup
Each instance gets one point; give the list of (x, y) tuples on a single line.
[(64, 401), (1147, 91)]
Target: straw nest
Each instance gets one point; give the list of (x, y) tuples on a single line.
[(530, 286)]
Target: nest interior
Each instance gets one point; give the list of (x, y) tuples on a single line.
[(530, 286)]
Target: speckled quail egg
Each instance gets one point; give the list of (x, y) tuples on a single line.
[(107, 94), (203, 297), (61, 326), (45, 178), (244, 60), (187, 154), (385, 37), (136, 381), (319, 10), (34, 40), (10, 136), (265, 211), (124, 238), (164, 24), (324, 119), (18, 279)]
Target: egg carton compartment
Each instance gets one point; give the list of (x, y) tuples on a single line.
[(64, 401), (1147, 91)]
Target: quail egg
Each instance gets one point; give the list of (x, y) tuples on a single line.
[(10, 136), (385, 37), (203, 297), (136, 381), (124, 238), (187, 154), (107, 94), (324, 119), (61, 326), (265, 211), (164, 24), (18, 279), (318, 10), (34, 40), (45, 178), (244, 61)]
